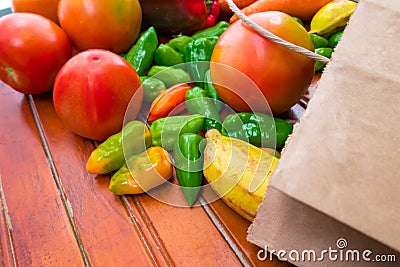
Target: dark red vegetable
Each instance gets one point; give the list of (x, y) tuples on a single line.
[(174, 16)]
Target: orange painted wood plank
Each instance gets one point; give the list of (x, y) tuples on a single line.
[(237, 227), (6, 246), (41, 230), (108, 233), (149, 232), (188, 235)]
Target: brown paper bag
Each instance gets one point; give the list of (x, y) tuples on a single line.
[(338, 182)]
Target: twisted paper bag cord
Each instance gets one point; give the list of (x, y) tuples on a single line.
[(270, 36)]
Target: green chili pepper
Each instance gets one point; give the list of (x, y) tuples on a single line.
[(197, 102), (318, 41), (197, 55), (334, 39), (257, 128), (179, 43), (189, 165), (283, 130), (109, 155), (165, 131), (324, 51), (199, 49), (215, 30), (152, 87), (140, 56), (213, 40), (211, 92), (167, 56), (169, 75)]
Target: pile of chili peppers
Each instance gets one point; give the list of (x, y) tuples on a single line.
[(174, 81)]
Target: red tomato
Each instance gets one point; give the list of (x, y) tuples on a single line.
[(107, 24), (280, 74), (32, 50), (92, 92), (46, 8)]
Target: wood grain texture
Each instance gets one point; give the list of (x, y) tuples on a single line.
[(41, 231), (6, 247), (107, 232), (237, 227), (189, 236)]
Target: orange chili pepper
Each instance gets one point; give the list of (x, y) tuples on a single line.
[(142, 172), (171, 99)]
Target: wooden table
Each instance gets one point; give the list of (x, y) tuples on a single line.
[(53, 213)]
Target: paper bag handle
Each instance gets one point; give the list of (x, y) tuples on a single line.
[(270, 36)]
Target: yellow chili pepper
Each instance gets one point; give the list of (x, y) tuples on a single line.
[(109, 155), (142, 172)]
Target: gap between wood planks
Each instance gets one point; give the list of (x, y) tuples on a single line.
[(66, 203), (150, 227), (8, 223)]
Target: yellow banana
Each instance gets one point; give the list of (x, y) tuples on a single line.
[(332, 17), (238, 172)]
